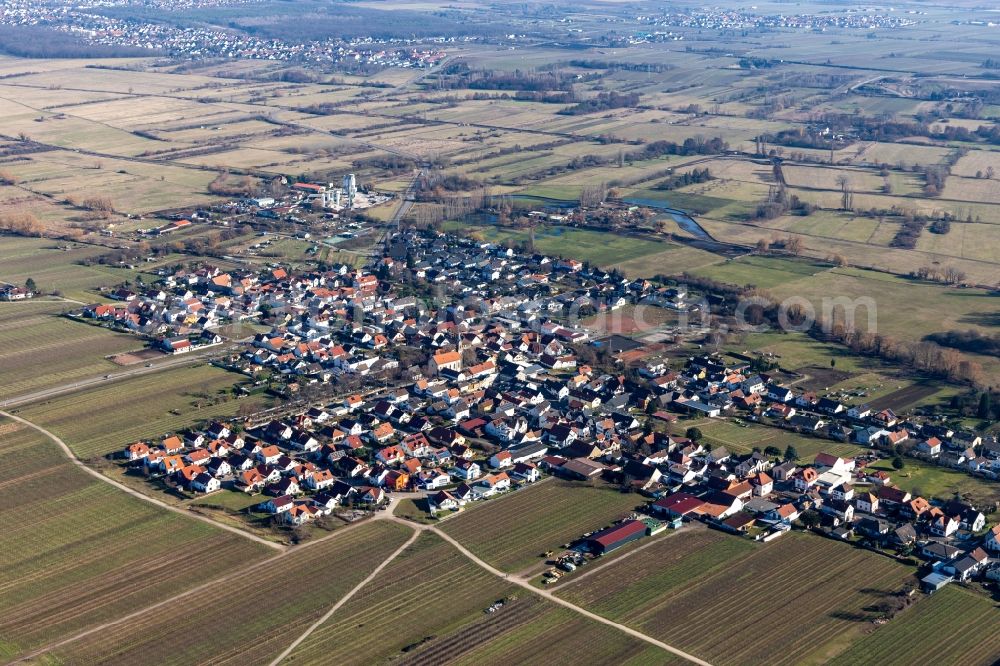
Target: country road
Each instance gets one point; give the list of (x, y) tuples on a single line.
[(562, 602), (141, 369), (417, 530), (344, 599)]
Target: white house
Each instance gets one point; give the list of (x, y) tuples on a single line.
[(205, 483), (468, 470), (944, 526), (501, 460)]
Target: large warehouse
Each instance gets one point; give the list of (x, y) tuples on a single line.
[(615, 537)]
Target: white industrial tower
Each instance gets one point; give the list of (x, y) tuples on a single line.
[(350, 188)]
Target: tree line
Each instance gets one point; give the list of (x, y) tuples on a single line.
[(605, 101), (969, 341), (687, 178)]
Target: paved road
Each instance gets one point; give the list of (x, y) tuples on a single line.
[(140, 369), (135, 493)]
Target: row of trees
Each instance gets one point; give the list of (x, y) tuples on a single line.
[(21, 223), (970, 341), (779, 203), (691, 177), (909, 232), (461, 76), (983, 404), (435, 185), (945, 274), (925, 356), (604, 101), (593, 195)]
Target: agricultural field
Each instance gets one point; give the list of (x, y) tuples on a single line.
[(90, 553), (889, 304), (797, 352), (55, 266), (277, 609), (108, 418), (931, 481), (826, 178), (511, 532), (405, 617), (132, 187), (968, 240), (597, 247), (865, 254), (833, 224), (968, 618), (675, 260), (39, 349), (742, 439), (762, 272), (905, 154), (903, 304), (631, 320), (976, 162), (657, 569), (802, 592)]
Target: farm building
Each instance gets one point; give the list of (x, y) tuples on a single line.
[(934, 581), (677, 505), (611, 538)]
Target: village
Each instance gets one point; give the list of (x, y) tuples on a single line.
[(471, 376), (489, 333), (148, 37)]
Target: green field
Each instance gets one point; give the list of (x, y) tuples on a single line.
[(734, 606), (952, 626), (56, 269), (762, 272), (39, 351), (794, 351), (77, 552), (691, 203), (619, 589), (110, 417), (903, 305), (742, 439), (427, 607), (674, 260), (932, 481), (280, 599), (511, 532), (603, 249)]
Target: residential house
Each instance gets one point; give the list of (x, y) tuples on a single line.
[(468, 470)]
